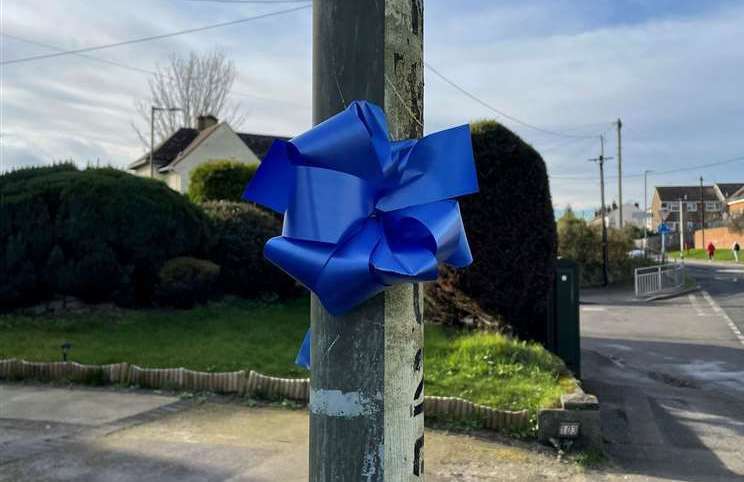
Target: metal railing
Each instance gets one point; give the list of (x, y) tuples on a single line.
[(654, 279)]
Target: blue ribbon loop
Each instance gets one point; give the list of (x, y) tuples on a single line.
[(362, 213)]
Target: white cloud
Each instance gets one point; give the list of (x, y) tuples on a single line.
[(674, 79)]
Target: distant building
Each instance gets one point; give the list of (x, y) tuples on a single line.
[(735, 203), (632, 215), (670, 203), (177, 156)]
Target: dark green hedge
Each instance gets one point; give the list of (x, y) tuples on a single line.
[(240, 232), (185, 281), (220, 181), (97, 234), (511, 230)]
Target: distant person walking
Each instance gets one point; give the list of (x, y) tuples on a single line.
[(736, 249), (711, 251)]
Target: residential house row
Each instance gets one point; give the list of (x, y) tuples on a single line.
[(693, 205)]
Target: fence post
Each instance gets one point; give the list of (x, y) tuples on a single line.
[(635, 275), (660, 279)]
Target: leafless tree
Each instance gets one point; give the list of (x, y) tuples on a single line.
[(199, 84)]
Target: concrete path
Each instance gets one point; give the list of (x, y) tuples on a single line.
[(670, 378), (85, 434)]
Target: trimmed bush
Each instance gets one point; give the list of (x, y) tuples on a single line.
[(184, 282), (240, 232), (97, 234), (220, 181), (512, 233)]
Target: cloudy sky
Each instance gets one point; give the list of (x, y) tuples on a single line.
[(673, 70)]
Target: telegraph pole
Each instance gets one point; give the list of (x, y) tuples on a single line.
[(620, 170), (366, 397), (601, 160), (645, 211), (702, 211), (681, 229)]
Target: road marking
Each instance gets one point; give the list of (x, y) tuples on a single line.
[(717, 308), (696, 305), (593, 308)]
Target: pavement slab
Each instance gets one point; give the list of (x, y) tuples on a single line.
[(222, 439)]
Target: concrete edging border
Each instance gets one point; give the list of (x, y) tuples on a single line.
[(239, 383)]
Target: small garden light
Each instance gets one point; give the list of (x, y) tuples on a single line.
[(65, 349)]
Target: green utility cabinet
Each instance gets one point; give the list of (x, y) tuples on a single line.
[(564, 336)]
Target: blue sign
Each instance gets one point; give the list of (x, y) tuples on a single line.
[(663, 228)]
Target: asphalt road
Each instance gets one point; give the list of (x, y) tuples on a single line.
[(670, 377)]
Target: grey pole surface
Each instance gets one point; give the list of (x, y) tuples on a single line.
[(152, 140), (603, 211), (620, 170), (645, 210), (702, 216), (366, 397)]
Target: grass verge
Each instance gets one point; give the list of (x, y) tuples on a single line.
[(235, 334), (720, 254)]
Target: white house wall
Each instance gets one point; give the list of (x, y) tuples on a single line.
[(222, 144)]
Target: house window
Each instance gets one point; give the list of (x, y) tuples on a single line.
[(692, 206), (674, 207), (690, 225), (711, 206), (672, 226), (664, 205)]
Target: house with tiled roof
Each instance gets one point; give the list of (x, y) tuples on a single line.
[(714, 203), (688, 204), (736, 202), (177, 156)]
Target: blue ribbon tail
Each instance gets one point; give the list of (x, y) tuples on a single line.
[(303, 356)]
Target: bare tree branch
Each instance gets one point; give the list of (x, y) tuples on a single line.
[(197, 84)]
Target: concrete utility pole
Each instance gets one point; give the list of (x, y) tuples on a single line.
[(605, 255), (620, 170), (367, 392), (681, 229), (645, 211), (702, 211)]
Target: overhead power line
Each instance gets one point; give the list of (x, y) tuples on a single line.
[(154, 37), (498, 111), (85, 56), (130, 67), (657, 173)]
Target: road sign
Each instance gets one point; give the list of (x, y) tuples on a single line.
[(663, 228)]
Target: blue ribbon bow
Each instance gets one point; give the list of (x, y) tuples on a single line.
[(362, 213)]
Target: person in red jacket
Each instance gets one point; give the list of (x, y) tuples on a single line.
[(711, 251)]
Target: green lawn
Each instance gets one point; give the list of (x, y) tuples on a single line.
[(237, 334), (720, 255)]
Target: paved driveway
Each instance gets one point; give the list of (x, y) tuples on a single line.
[(61, 434)]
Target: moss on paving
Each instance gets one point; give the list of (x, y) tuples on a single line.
[(237, 334)]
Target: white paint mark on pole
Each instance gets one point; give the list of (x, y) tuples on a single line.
[(336, 403)]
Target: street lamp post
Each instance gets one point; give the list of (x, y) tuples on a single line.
[(645, 211), (154, 109)]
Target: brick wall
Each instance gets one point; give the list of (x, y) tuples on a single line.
[(721, 237)]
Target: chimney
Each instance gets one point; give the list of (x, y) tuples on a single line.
[(205, 121)]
